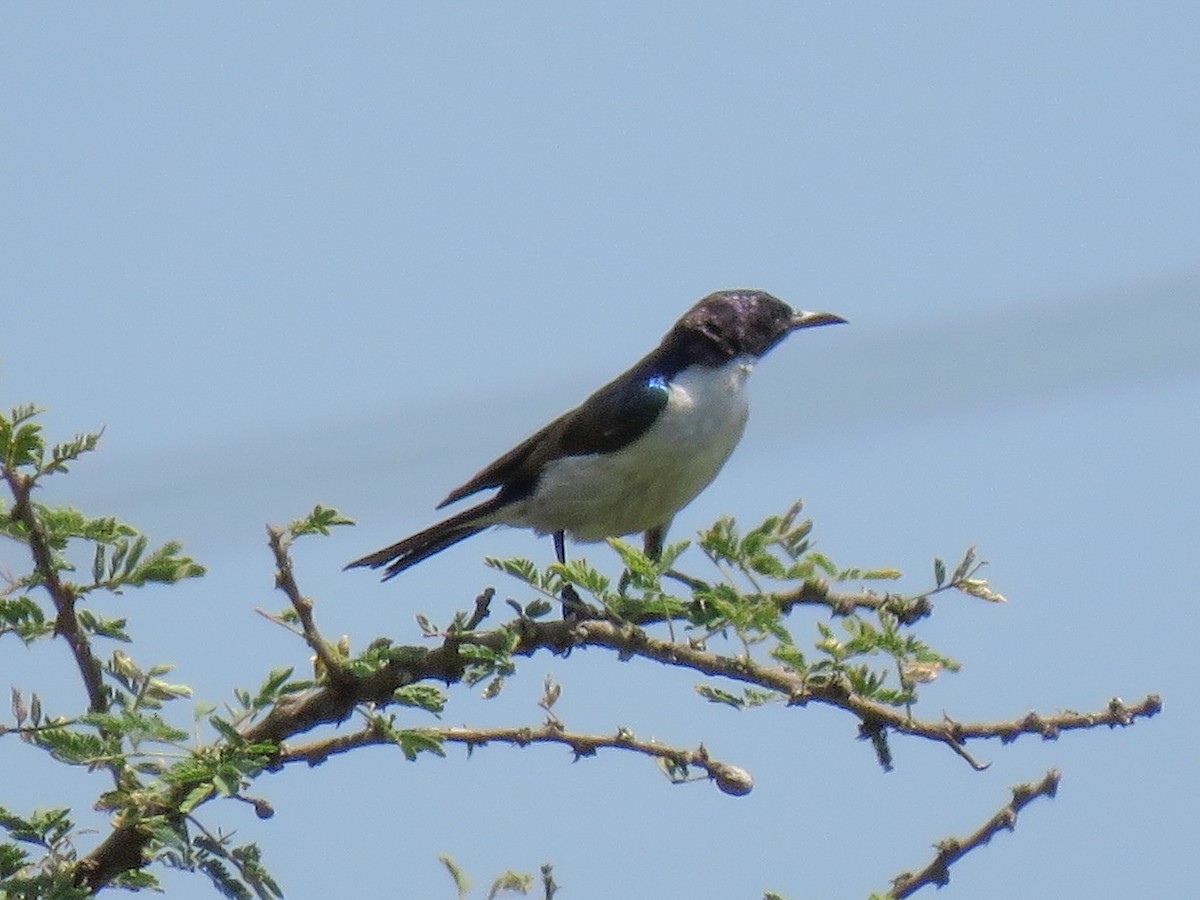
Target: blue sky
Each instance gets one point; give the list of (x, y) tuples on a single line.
[(349, 254)]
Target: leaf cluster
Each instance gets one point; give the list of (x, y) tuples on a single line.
[(870, 651)]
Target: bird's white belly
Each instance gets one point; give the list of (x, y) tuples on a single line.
[(645, 483)]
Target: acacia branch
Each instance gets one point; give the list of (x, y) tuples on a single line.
[(285, 580), (327, 705), (814, 592), (951, 850), (729, 778), (801, 689), (907, 610), (1049, 727), (66, 622)]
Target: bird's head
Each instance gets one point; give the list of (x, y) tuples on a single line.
[(746, 322)]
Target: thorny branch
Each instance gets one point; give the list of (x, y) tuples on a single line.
[(729, 778), (801, 690), (285, 580), (66, 621), (951, 850), (907, 610)]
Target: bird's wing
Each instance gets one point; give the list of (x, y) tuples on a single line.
[(614, 416)]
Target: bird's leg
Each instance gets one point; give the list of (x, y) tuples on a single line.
[(652, 546), (572, 603), (652, 541)]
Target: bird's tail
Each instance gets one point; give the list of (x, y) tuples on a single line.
[(423, 544)]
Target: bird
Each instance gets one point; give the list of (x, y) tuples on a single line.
[(635, 452)]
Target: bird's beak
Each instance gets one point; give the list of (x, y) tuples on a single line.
[(802, 319)]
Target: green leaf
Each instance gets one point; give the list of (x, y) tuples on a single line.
[(717, 695), (109, 628), (965, 567), (126, 557), (422, 696), (23, 617), (484, 662), (12, 860), (61, 454), (76, 748), (43, 827), (136, 880), (195, 797), (767, 564), (462, 884), (522, 569), (791, 657), (163, 566), (226, 730), (98, 564), (978, 587), (64, 522), (227, 783), (511, 882), (269, 692), (824, 563), (579, 573), (869, 574), (720, 542), (415, 742), (319, 521), (203, 708), (136, 726), (23, 445)]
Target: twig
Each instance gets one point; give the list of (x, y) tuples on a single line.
[(66, 622), (800, 690), (482, 609), (951, 850), (1116, 714), (285, 580), (730, 778), (907, 610)]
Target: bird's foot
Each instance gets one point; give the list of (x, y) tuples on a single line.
[(574, 609)]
